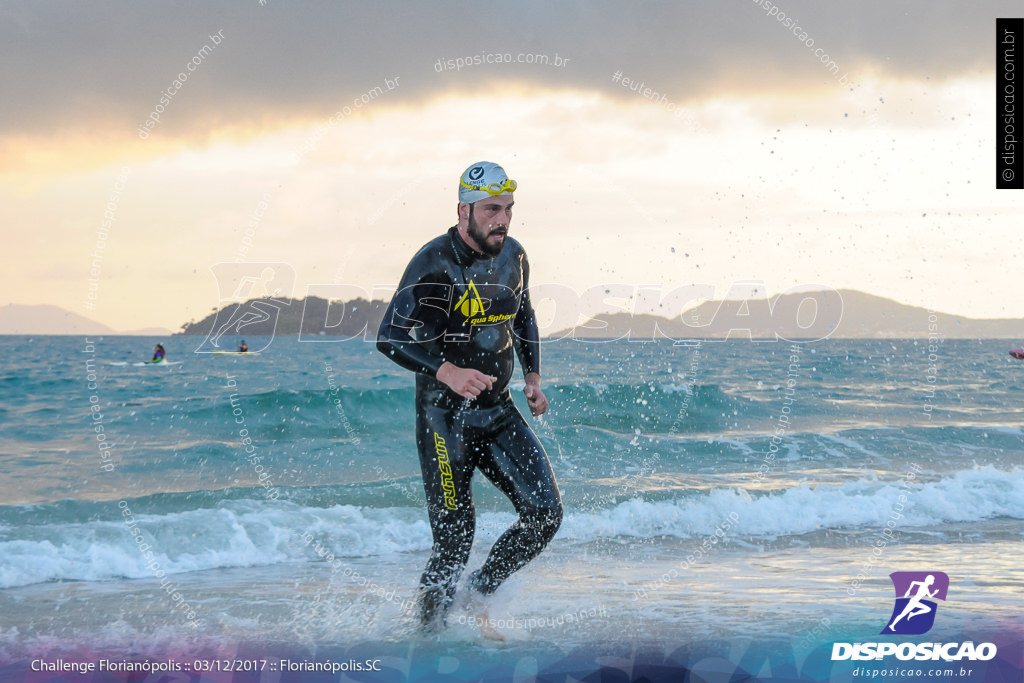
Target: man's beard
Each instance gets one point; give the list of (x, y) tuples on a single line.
[(480, 235)]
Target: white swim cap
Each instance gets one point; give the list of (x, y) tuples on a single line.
[(482, 180)]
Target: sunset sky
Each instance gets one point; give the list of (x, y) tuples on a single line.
[(759, 163)]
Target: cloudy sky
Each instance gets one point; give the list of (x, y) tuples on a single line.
[(794, 144)]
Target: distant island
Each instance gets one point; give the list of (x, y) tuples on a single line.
[(44, 320), (843, 314), (309, 317)]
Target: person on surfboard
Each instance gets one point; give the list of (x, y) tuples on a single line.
[(463, 358), (159, 354), (243, 348)]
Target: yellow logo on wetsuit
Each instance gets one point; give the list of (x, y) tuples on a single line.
[(446, 472), (470, 307)]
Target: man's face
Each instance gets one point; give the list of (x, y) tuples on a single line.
[(488, 223)]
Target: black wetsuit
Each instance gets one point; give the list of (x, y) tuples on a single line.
[(456, 305)]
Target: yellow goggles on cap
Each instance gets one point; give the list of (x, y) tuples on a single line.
[(493, 188)]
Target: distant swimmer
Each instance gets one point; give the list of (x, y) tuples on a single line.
[(243, 348), (915, 606), (159, 354), (463, 355)]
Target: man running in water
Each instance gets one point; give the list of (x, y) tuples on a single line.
[(461, 312)]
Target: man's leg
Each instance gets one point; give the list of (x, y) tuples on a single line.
[(447, 469), (517, 464)]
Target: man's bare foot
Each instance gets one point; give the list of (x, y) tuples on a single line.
[(487, 630), (477, 605)]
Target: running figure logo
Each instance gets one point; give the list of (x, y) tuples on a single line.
[(250, 299), (914, 612)]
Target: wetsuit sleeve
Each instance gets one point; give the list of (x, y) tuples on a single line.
[(527, 336), (416, 318)]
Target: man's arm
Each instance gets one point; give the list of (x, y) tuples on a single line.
[(411, 320), (527, 343), (526, 335)]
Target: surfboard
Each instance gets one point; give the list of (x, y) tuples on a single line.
[(236, 353)]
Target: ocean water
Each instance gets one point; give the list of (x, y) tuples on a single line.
[(734, 502)]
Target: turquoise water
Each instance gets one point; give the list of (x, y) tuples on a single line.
[(242, 475)]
